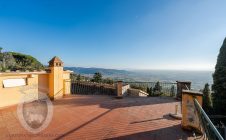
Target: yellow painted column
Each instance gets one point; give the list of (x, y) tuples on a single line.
[(56, 82), (56, 78)]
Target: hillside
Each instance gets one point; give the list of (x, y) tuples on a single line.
[(107, 73), (17, 61), (91, 71)]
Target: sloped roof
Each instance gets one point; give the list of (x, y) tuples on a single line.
[(55, 59)]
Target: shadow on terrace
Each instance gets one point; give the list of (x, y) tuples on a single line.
[(127, 118), (110, 102)]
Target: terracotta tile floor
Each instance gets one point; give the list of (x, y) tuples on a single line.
[(87, 117)]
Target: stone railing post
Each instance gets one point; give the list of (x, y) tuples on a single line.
[(182, 85), (119, 89), (190, 118), (67, 87)]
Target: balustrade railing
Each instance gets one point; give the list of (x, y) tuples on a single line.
[(166, 88), (92, 88), (208, 129)]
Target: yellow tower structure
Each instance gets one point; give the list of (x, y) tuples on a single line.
[(56, 85)]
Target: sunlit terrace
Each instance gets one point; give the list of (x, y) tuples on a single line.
[(102, 117)]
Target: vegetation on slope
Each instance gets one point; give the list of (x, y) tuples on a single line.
[(97, 78), (17, 61)]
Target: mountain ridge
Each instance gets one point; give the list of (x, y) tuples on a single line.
[(198, 78)]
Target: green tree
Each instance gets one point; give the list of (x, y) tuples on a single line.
[(73, 76), (16, 61), (7, 61), (78, 78), (219, 82), (157, 89), (172, 90), (26, 62), (207, 101), (97, 77), (108, 81), (148, 90), (1, 49)]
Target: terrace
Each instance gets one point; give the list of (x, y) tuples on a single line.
[(102, 117), (86, 110)]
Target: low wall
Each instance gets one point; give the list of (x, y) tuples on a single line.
[(125, 89), (31, 82), (12, 95), (137, 92)]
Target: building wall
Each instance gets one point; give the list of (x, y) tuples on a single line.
[(56, 82), (66, 75), (137, 92), (39, 82), (43, 83), (12, 95)]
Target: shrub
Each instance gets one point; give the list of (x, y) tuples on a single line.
[(97, 77), (157, 89), (207, 101), (172, 91)]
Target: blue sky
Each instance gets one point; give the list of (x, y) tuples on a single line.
[(122, 34)]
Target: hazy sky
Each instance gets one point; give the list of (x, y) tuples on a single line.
[(123, 34)]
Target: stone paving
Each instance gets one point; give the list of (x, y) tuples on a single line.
[(90, 117)]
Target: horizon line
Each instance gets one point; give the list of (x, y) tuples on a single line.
[(135, 69)]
